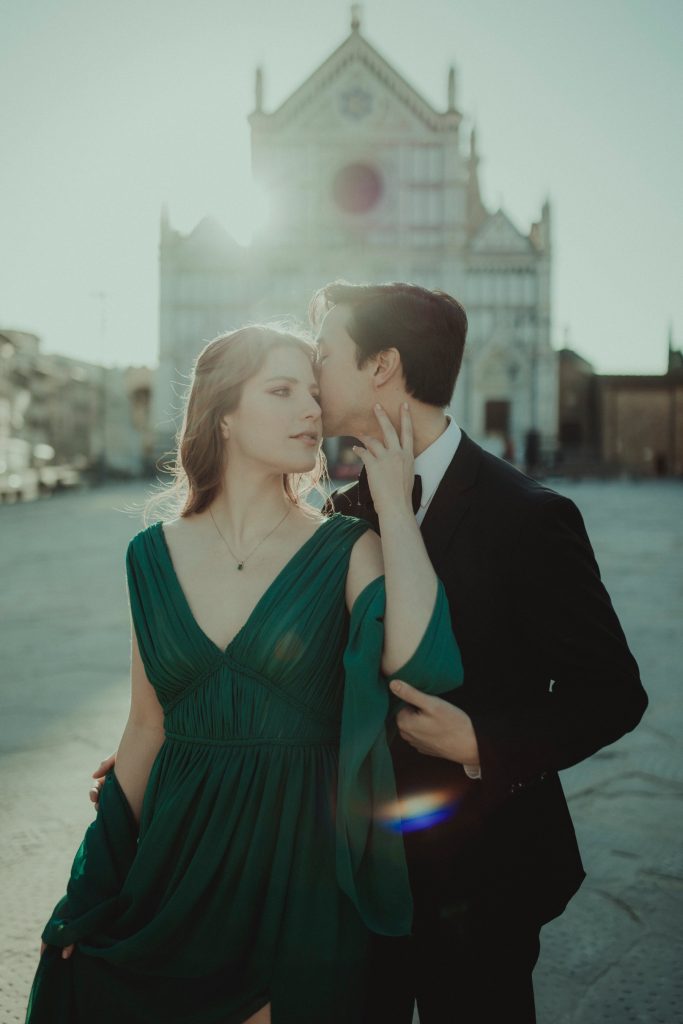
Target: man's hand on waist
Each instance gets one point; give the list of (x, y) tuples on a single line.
[(436, 728)]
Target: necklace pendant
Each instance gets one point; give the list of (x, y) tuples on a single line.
[(240, 565)]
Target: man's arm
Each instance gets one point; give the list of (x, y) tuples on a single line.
[(573, 634), (99, 775)]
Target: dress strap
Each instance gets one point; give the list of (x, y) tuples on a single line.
[(167, 641)]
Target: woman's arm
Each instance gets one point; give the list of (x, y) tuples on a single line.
[(140, 743), (142, 736), (411, 583), (401, 621), (365, 565)]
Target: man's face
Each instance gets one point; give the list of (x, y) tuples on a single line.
[(346, 393)]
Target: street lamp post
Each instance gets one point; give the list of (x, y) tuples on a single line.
[(101, 474)]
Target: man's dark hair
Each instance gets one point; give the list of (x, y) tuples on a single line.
[(428, 328)]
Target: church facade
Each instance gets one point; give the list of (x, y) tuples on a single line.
[(366, 181)]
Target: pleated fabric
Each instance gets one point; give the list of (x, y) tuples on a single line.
[(262, 861)]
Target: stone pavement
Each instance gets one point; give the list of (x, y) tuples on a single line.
[(615, 955)]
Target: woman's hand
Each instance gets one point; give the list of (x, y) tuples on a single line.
[(66, 952), (390, 465)]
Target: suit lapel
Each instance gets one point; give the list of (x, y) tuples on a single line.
[(366, 509), (355, 500), (452, 499)]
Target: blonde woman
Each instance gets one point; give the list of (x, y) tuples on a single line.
[(243, 850)]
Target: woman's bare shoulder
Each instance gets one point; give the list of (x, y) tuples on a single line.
[(184, 530), (181, 524)]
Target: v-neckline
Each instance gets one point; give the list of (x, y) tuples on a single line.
[(266, 593)]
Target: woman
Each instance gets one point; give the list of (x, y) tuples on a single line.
[(243, 848)]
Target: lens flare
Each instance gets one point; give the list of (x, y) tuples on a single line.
[(414, 813)]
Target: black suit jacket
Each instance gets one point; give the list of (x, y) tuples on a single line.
[(549, 679)]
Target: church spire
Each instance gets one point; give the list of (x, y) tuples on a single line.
[(474, 157), (476, 211), (355, 17), (258, 90), (164, 222), (451, 89), (675, 360)]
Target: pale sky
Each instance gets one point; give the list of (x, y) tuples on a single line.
[(107, 110)]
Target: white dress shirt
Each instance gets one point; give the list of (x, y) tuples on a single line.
[(430, 466), (432, 463)]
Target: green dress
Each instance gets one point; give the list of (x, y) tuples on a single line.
[(266, 853)]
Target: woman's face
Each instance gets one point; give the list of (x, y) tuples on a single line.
[(278, 420)]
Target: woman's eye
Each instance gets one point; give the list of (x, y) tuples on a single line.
[(280, 391)]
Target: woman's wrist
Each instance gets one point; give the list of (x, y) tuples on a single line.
[(397, 511)]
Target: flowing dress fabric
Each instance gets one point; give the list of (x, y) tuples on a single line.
[(261, 862)]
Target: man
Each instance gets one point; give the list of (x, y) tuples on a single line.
[(549, 678)]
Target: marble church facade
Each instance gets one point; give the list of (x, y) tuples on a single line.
[(366, 181)]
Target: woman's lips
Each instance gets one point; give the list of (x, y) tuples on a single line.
[(312, 440)]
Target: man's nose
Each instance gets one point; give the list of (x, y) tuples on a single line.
[(313, 411)]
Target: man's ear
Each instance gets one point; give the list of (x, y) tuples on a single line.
[(387, 367)]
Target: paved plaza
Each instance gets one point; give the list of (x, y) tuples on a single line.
[(615, 955)]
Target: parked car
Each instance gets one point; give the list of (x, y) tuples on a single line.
[(27, 471)]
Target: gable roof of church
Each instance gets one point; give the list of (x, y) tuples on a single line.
[(208, 244), (498, 234), (356, 48)]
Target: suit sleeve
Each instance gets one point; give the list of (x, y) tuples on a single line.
[(572, 633)]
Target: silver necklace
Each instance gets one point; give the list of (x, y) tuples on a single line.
[(240, 562)]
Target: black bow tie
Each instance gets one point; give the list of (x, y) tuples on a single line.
[(417, 493), (365, 498)]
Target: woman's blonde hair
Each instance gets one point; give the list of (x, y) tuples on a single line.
[(219, 373)]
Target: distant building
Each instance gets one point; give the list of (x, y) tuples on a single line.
[(369, 182), (91, 417), (621, 423), (128, 442), (578, 428)]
